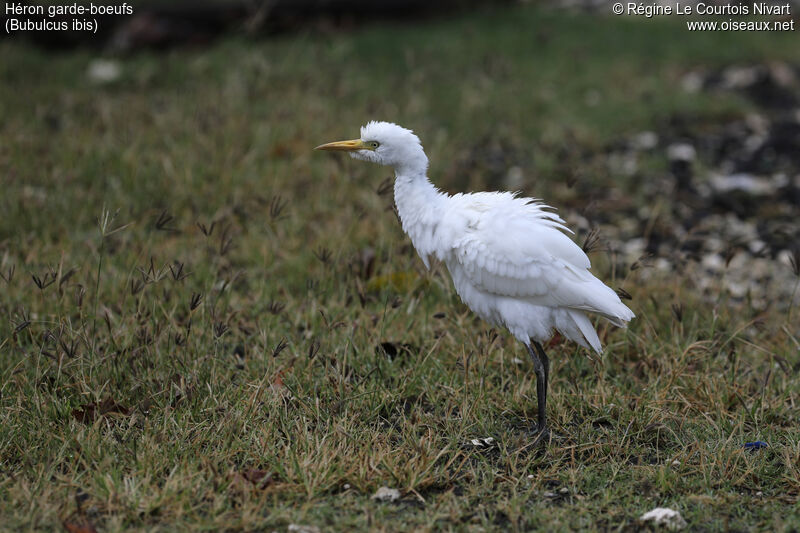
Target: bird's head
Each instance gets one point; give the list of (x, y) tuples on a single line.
[(386, 144)]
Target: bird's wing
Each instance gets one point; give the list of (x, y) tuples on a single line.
[(515, 247)]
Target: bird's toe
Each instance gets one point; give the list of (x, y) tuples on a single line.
[(539, 436)]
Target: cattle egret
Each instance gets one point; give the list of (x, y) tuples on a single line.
[(510, 258)]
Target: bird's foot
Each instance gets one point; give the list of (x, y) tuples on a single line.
[(538, 436)]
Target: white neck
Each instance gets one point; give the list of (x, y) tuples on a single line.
[(420, 206)]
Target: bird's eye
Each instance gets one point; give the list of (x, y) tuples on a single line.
[(373, 144)]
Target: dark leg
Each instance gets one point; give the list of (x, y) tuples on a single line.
[(541, 365), (545, 362)]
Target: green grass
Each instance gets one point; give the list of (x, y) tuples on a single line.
[(104, 188)]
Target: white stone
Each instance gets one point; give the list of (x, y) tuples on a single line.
[(681, 152), (754, 142), (634, 248), (742, 182), (692, 82), (756, 246), (299, 528), (779, 180), (737, 227), (385, 494), (758, 123), (713, 262), (662, 516), (663, 265), (737, 290), (785, 257), (646, 140), (782, 74), (104, 71), (739, 77)]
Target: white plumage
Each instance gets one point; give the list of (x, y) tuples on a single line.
[(510, 258)]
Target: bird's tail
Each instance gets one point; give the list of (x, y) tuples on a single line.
[(587, 330), (603, 300)]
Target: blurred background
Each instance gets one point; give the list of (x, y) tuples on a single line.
[(200, 314), (680, 146)]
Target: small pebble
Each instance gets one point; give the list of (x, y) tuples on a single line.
[(300, 528), (681, 152), (692, 82), (385, 494), (104, 71), (662, 516)]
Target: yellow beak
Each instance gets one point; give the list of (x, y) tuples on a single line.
[(343, 146)]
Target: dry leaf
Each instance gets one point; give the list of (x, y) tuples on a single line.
[(89, 412), (260, 478), (82, 525)]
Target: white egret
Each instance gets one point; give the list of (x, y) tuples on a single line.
[(510, 258)]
